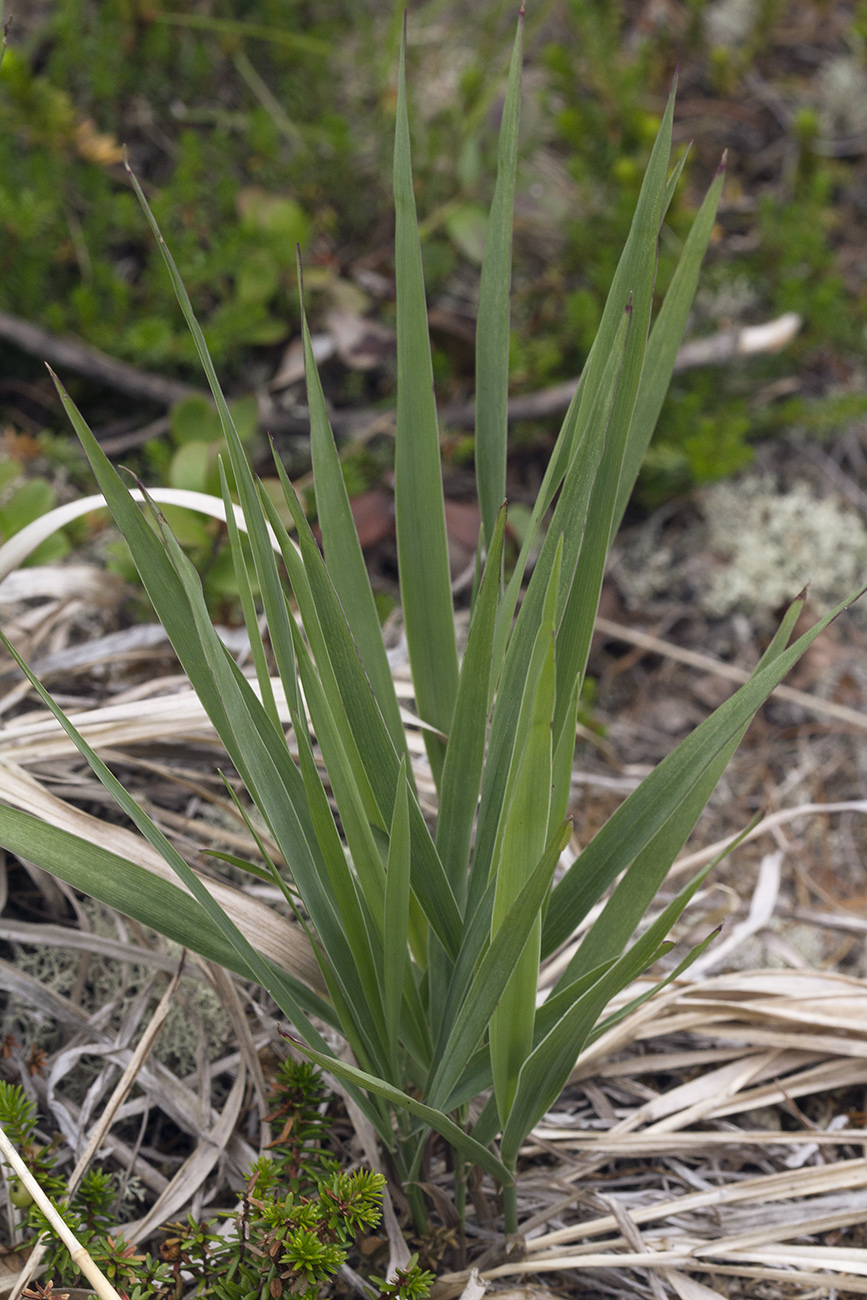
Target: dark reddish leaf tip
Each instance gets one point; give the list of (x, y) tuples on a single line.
[(521, 12), (723, 162)]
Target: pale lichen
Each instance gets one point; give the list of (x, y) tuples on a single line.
[(771, 544), (842, 91), (730, 22), (196, 1013)]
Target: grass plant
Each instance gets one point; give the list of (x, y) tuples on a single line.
[(429, 938)]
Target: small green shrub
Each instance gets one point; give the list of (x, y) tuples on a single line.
[(299, 1215)]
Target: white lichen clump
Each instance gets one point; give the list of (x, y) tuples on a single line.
[(196, 1017), (842, 87), (730, 22), (773, 544)]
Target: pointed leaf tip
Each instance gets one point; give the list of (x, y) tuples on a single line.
[(723, 163)]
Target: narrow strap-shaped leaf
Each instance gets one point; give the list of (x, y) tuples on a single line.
[(549, 1065), (492, 331), (379, 757), (281, 813), (475, 1080), (647, 809), (395, 947), (423, 557), (493, 973), (565, 535), (547, 1068), (366, 860), (584, 448), (355, 961), (320, 647), (674, 178), (639, 264), (628, 1007), (462, 770), (268, 976), (257, 531), (674, 974), (435, 1119), (137, 893), (157, 574), (540, 657), (251, 622), (342, 548), (563, 763), (640, 883), (172, 604), (343, 936), (525, 834), (665, 339)]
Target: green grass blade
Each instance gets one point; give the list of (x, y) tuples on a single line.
[(639, 885), (395, 948), (257, 530), (492, 331), (326, 653), (309, 870), (674, 178), (564, 536), (379, 757), (524, 837), (695, 952), (665, 339), (359, 836), (158, 577), (342, 549), (137, 893), (251, 622), (547, 1068), (628, 1007), (435, 1119), (271, 979), (422, 547), (462, 770), (640, 817), (492, 974)]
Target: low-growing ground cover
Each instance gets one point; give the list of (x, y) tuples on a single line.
[(263, 126)]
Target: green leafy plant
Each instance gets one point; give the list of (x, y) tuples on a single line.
[(429, 940), (21, 501), (299, 1214)]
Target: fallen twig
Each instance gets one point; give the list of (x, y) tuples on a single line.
[(716, 350)]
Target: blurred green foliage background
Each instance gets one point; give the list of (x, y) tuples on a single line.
[(256, 125)]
